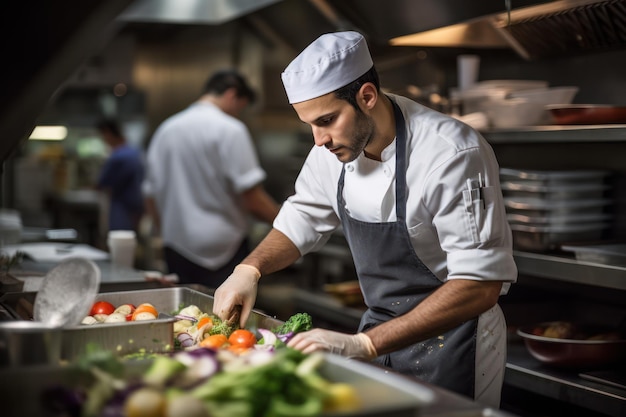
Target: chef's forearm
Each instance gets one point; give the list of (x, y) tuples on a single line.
[(452, 304), (275, 252)]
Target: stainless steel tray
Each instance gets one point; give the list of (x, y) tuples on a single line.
[(382, 393), (152, 336)]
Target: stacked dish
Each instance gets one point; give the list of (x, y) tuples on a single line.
[(548, 208)]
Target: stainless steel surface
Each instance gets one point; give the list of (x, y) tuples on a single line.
[(193, 12), (150, 336), (594, 349), (27, 343), (132, 337), (570, 270), (525, 372), (542, 238), (67, 293), (606, 254), (384, 393), (557, 134), (564, 27), (169, 300)]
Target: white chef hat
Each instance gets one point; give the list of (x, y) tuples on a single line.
[(330, 62)]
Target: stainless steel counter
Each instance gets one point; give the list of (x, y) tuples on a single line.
[(526, 373)]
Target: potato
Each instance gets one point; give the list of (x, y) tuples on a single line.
[(560, 330), (115, 318)]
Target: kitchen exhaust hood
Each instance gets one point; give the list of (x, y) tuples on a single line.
[(557, 28)]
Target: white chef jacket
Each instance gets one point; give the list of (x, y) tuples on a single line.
[(457, 228), (198, 162)]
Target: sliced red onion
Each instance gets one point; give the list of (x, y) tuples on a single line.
[(185, 339), (184, 317), (285, 337), (269, 338), (201, 366)]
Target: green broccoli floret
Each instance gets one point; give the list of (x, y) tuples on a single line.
[(221, 327), (299, 322)]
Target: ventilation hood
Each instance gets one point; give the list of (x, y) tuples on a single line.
[(563, 27)]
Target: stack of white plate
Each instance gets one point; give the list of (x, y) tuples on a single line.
[(548, 208)]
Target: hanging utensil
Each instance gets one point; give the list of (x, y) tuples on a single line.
[(67, 293)]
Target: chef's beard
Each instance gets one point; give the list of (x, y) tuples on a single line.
[(363, 133)]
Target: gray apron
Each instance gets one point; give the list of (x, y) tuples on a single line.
[(394, 280)]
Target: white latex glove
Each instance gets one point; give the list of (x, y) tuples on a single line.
[(237, 292), (350, 345)]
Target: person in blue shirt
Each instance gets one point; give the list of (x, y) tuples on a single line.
[(121, 177)]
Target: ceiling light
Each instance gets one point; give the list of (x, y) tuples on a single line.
[(49, 133)]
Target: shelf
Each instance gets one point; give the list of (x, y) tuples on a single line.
[(525, 372), (558, 133), (570, 270)]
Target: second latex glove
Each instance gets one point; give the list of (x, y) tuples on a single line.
[(237, 292), (350, 345)]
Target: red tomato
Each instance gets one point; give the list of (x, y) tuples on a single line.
[(102, 307), (242, 337)]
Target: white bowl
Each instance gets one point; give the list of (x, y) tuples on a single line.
[(517, 112), (547, 96)]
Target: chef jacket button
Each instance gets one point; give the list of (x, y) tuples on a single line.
[(350, 167), (387, 172)]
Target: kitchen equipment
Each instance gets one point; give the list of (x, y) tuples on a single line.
[(150, 336), (538, 207), (548, 95), (477, 97), (600, 352), (553, 178), (24, 343), (554, 192), (556, 220), (513, 112), (587, 114), (67, 293), (382, 393), (614, 377), (542, 238), (608, 254)]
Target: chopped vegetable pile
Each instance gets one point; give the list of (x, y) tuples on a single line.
[(196, 328), (210, 383), (105, 312)]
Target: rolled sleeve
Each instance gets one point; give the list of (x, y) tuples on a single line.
[(494, 264)]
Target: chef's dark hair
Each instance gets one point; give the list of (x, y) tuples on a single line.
[(348, 92), (221, 81), (111, 125)]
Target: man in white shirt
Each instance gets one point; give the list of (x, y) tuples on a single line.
[(204, 180), (417, 195)]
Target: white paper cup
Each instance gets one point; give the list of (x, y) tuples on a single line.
[(467, 67), (122, 245)]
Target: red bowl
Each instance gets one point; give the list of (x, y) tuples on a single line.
[(587, 114), (572, 353)]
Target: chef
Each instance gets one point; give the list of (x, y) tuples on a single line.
[(417, 195)]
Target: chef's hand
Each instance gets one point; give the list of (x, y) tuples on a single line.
[(351, 345), (237, 292)]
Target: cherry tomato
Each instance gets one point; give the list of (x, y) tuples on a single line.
[(214, 341), (145, 308), (102, 307), (242, 337)]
